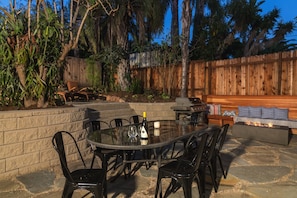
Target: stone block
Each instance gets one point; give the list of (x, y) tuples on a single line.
[(2, 166), (22, 161), (1, 137), (8, 124), (31, 122), (59, 118), (21, 135), (78, 116), (11, 150), (48, 155), (37, 145), (9, 174), (49, 131)]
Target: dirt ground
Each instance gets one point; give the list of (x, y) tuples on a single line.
[(146, 97), (121, 96)]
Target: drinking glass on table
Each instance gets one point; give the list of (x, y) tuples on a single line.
[(132, 132)]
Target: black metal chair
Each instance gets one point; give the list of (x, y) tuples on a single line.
[(117, 122), (208, 156), (193, 120), (218, 148), (85, 178), (135, 119), (103, 154), (182, 171)]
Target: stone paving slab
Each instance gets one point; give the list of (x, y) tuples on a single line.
[(255, 170)]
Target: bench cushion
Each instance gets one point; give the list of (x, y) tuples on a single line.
[(255, 112), (280, 114), (267, 113), (243, 111)]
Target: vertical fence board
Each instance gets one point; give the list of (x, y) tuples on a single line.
[(294, 73), (271, 74)]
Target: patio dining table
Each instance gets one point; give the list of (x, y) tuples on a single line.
[(159, 139)]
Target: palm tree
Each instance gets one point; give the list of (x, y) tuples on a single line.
[(238, 29), (186, 23), (174, 23), (136, 20)]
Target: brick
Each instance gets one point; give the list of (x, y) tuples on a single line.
[(78, 116), (9, 174), (1, 137), (45, 132), (8, 124), (48, 155), (59, 118), (11, 150), (33, 121), (2, 166), (22, 161), (37, 145), (20, 135)]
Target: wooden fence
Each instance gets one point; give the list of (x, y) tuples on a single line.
[(76, 70), (270, 74)]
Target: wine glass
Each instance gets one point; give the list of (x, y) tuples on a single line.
[(132, 132)]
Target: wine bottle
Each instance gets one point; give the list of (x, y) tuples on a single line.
[(144, 127)]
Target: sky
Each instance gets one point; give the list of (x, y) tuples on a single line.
[(287, 12)]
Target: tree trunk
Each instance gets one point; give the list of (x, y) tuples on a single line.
[(122, 40), (174, 24), (186, 22)]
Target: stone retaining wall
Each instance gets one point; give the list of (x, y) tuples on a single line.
[(155, 111), (25, 137)]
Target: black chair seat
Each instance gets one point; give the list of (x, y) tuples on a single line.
[(179, 168), (89, 179), (88, 176), (183, 171)]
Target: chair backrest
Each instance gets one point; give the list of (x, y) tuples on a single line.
[(213, 133), (72, 85), (135, 119), (117, 122), (98, 125), (58, 144), (222, 137), (197, 144)]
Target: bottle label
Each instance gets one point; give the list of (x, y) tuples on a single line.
[(143, 133)]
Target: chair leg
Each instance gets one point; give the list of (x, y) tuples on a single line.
[(200, 187), (187, 187), (169, 188), (98, 191), (68, 190), (202, 176), (158, 187), (222, 167), (215, 185)]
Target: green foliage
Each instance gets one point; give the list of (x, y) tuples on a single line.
[(110, 58), (94, 74), (238, 28), (136, 87), (29, 68), (165, 96), (150, 97)]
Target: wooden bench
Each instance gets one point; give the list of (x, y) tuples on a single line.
[(231, 103)]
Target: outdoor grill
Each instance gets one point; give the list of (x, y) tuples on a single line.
[(190, 106)]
